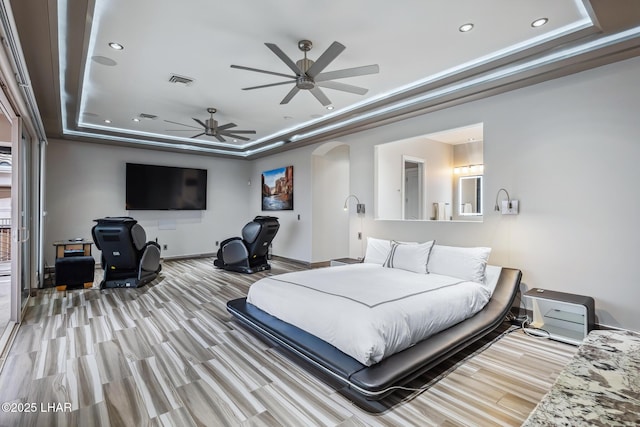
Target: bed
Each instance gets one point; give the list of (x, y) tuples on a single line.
[(373, 370)]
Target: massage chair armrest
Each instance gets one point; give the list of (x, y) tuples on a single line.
[(150, 260), (234, 251)]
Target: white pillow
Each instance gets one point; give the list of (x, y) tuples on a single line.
[(377, 250), (410, 257), (463, 263)]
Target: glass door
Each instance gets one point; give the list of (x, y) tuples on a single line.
[(6, 215), (12, 303), (26, 164), (26, 241), (19, 233)]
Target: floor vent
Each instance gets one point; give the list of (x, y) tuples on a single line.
[(180, 79)]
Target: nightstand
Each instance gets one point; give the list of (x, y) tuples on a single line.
[(564, 317), (344, 261)]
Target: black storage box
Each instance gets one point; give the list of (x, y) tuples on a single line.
[(75, 271)]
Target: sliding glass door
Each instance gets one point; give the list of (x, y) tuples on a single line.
[(26, 239), (24, 253)]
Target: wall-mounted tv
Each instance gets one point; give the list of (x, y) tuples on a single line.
[(151, 187)]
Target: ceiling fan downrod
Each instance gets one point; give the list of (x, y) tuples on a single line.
[(212, 124), (304, 81)]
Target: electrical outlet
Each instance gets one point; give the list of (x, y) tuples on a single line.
[(165, 247), (217, 243), (509, 211), (359, 235)]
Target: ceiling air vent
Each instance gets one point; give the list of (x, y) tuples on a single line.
[(180, 79), (148, 116)]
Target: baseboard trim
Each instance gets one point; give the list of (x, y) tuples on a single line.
[(320, 264), (193, 256), (291, 260)]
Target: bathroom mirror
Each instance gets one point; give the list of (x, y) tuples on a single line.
[(470, 195), (421, 178)]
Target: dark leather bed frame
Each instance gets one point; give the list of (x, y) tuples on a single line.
[(374, 382)]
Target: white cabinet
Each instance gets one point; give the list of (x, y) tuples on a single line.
[(560, 316)]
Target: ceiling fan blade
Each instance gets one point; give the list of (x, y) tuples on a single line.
[(238, 131), (181, 124), (284, 58), (230, 135), (240, 67), (200, 122), (200, 134), (220, 138), (269, 85), (290, 95), (325, 59), (344, 87), (179, 130), (348, 72), (320, 96), (227, 126)]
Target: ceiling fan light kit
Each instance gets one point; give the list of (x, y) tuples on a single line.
[(308, 74)]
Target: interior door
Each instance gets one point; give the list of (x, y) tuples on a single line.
[(412, 194)]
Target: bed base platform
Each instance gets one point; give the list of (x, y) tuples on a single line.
[(364, 384)]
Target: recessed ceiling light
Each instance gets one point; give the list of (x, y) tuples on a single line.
[(330, 107), (116, 46), (465, 28), (539, 22), (107, 121), (135, 119)]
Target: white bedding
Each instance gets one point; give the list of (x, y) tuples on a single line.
[(367, 311)]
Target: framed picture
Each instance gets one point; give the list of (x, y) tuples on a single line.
[(277, 189)]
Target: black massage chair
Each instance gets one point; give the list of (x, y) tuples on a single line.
[(248, 254), (128, 259)]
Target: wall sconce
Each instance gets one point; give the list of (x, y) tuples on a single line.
[(359, 206), (509, 206), (465, 169)]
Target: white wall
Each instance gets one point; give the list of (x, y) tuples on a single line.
[(568, 150), (294, 236), (330, 188), (87, 181)]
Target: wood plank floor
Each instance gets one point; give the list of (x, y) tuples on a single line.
[(169, 354)]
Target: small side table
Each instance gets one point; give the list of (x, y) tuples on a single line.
[(564, 317), (63, 246), (344, 261)]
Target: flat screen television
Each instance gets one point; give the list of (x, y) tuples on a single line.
[(151, 187)]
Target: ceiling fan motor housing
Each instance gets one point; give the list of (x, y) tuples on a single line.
[(304, 81), (212, 125)]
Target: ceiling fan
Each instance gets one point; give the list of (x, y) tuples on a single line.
[(211, 128), (308, 74)]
